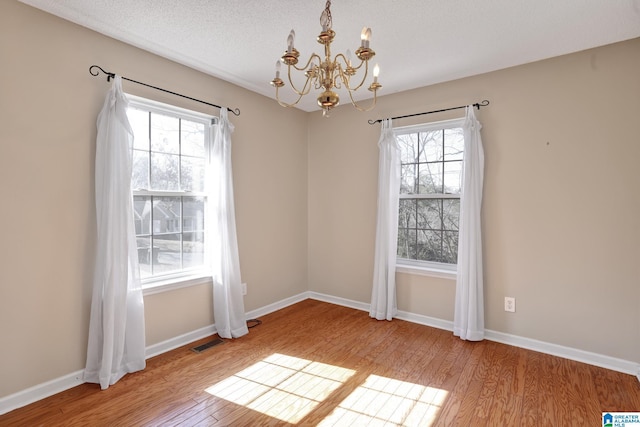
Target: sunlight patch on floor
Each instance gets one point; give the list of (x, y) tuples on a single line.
[(388, 402), (284, 387)]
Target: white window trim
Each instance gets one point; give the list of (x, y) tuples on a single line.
[(187, 278), (426, 127), (427, 268), (160, 107), (166, 284)]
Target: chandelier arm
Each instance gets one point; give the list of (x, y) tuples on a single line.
[(364, 77), (358, 107), (362, 62), (284, 104), (306, 66), (344, 59), (305, 89)]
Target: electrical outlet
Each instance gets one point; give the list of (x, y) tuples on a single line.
[(510, 304), (244, 289)]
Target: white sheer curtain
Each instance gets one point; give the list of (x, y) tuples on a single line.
[(116, 330), (383, 296), (468, 320), (228, 304)]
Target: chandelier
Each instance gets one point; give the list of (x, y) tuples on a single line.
[(328, 73)]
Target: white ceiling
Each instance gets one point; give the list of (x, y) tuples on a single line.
[(417, 42)]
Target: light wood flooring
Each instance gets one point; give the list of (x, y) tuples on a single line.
[(316, 363)]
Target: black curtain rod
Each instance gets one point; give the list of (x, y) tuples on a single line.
[(477, 105), (94, 72)]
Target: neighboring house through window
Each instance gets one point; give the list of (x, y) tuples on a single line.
[(430, 187), (168, 184)]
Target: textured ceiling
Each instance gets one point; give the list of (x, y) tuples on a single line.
[(418, 42)]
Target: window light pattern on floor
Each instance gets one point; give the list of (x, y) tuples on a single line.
[(284, 387), (386, 401), (289, 388)]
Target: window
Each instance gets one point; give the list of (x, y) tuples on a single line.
[(430, 186), (168, 184)]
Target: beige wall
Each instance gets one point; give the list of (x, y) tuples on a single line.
[(560, 213), (48, 109), (561, 199)]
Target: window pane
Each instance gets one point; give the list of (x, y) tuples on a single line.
[(428, 247), (403, 243), (453, 177), (431, 146), (453, 144), (166, 253), (451, 214), (407, 213), (193, 214), (410, 245), (192, 139), (430, 178), (449, 247), (139, 121), (140, 170), (144, 255), (142, 214), (408, 147), (193, 249), (165, 171), (408, 179), (192, 178), (430, 214), (165, 134), (166, 215)]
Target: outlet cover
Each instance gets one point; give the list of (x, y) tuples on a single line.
[(244, 289), (510, 304)]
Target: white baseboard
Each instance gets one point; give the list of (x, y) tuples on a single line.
[(279, 305), (608, 362), (57, 385), (179, 341), (40, 391), (49, 388), (339, 301), (425, 320)]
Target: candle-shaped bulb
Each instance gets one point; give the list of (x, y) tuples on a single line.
[(376, 73), (365, 36), (290, 40), (278, 65), (324, 20), (348, 57)]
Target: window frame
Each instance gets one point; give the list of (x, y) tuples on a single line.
[(190, 276), (420, 267)]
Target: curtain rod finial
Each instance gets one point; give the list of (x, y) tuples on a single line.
[(94, 72)]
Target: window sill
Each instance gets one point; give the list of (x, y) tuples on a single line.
[(171, 284), (430, 271)]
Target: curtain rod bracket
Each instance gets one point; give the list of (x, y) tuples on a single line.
[(483, 103), (94, 72)]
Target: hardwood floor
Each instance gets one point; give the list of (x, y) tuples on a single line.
[(316, 363)]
